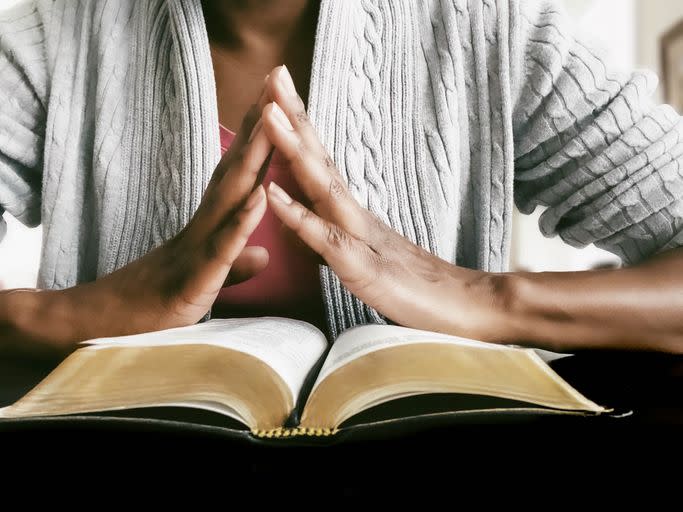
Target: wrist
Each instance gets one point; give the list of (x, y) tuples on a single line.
[(50, 318), (502, 317), (525, 304), (26, 316), (82, 312), (476, 304)]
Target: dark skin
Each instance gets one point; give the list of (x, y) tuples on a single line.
[(248, 40), (635, 308), (175, 284)]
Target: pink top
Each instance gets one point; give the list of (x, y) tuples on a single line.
[(290, 284)]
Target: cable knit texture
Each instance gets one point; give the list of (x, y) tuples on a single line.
[(440, 114)]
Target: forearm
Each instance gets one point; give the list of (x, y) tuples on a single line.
[(33, 320), (638, 307)]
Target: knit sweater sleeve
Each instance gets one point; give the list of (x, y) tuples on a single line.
[(22, 113), (592, 146)]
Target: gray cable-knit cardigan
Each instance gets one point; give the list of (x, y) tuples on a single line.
[(438, 113)]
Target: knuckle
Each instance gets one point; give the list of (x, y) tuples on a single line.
[(337, 189), (377, 229), (300, 152), (336, 237), (302, 117), (304, 217), (300, 108), (329, 163)]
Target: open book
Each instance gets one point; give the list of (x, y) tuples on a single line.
[(279, 377)]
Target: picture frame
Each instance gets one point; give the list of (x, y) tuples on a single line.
[(671, 54)]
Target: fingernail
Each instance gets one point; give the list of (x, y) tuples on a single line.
[(263, 89), (255, 130), (254, 198), (279, 193), (282, 117), (286, 80)]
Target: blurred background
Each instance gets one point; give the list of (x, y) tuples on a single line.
[(630, 33)]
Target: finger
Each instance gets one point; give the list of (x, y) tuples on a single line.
[(282, 90), (315, 174), (239, 182), (248, 155), (222, 247), (231, 190), (317, 185), (266, 95), (249, 122), (251, 261), (337, 247), (251, 117)]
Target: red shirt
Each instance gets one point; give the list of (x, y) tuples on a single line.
[(290, 284)]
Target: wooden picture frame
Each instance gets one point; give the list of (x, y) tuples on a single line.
[(671, 54)]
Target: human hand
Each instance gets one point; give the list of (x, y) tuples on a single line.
[(384, 269), (176, 283)]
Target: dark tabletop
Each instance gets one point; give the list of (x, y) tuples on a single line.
[(649, 384)]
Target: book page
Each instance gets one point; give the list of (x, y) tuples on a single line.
[(375, 363), (359, 340), (289, 346)]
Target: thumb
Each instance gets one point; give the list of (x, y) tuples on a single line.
[(252, 260)]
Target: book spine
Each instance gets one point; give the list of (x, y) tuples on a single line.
[(294, 431)]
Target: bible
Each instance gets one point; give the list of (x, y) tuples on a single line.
[(278, 377)]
